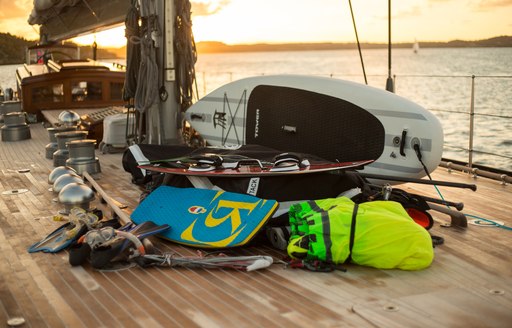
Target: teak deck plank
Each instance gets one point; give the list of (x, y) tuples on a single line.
[(468, 284)]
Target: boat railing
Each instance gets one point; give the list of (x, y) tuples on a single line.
[(473, 104), (482, 103)]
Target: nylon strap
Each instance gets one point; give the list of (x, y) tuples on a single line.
[(352, 233), (326, 226)]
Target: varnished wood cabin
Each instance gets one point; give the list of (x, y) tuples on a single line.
[(54, 77)]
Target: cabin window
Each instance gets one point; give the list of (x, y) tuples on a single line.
[(116, 91), (48, 93), (86, 91)]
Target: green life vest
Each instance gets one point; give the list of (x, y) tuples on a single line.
[(379, 234)]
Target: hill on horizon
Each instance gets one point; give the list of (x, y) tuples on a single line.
[(219, 47), (12, 48)]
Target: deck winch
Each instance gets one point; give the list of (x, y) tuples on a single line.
[(82, 156), (53, 146), (62, 154), (9, 106), (15, 127)]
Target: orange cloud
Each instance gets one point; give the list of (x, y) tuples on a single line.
[(411, 12), (494, 4), (15, 9), (208, 7), (13, 18)]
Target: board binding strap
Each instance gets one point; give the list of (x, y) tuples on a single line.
[(215, 165)]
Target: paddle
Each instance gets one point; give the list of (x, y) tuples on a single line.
[(419, 181)]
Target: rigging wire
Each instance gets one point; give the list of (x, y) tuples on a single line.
[(91, 10), (357, 39)]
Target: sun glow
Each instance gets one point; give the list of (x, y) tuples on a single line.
[(282, 21), (112, 38), (274, 21), (267, 21)]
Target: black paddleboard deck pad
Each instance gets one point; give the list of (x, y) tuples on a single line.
[(294, 119)]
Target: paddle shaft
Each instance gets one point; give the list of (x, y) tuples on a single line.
[(123, 217), (458, 206), (458, 218), (419, 181)]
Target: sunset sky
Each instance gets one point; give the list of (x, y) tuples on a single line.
[(276, 21)]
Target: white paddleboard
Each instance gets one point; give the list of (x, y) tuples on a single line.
[(331, 118)]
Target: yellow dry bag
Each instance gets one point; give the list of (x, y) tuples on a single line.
[(379, 234)]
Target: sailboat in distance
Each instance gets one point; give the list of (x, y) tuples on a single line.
[(415, 46)]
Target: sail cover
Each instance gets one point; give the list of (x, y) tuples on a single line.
[(63, 19)]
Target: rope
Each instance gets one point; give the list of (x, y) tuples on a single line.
[(186, 55), (132, 34), (489, 221), (143, 80), (147, 81), (243, 263)]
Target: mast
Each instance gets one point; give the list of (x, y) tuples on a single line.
[(162, 116), (389, 82), (158, 86)]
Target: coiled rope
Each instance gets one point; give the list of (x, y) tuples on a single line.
[(186, 55), (147, 82), (144, 81), (132, 33)]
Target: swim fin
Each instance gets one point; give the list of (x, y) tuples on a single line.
[(80, 221), (57, 240)]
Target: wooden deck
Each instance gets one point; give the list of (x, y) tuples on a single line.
[(468, 285)]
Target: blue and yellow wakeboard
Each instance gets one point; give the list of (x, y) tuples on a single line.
[(205, 218)]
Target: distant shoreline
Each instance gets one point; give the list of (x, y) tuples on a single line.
[(12, 48), (219, 47)]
